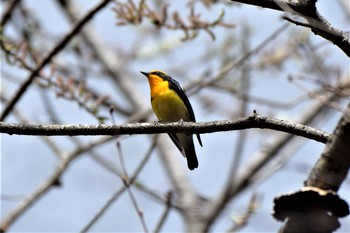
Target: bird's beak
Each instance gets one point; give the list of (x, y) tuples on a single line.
[(144, 73)]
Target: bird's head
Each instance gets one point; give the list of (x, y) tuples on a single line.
[(155, 74)]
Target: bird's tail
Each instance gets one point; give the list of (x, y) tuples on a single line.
[(185, 145), (191, 157)]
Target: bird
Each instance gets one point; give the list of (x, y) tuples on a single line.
[(170, 104)]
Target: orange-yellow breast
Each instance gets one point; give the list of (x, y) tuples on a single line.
[(166, 103)]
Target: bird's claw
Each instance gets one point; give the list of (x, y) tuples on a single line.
[(181, 122), (155, 123)]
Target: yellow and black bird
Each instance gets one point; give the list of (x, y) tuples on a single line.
[(170, 104)]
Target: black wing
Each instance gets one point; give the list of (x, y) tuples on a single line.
[(174, 85), (177, 143)]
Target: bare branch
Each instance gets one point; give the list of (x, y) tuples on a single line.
[(8, 13), (127, 184), (332, 168), (125, 180), (127, 13), (59, 47), (319, 200), (166, 212), (307, 9), (249, 175), (297, 22), (106, 57), (253, 121)]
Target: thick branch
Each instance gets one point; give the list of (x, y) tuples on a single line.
[(307, 9), (332, 168), (301, 6), (319, 200), (253, 121)]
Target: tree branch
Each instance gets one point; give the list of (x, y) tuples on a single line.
[(106, 56), (253, 121), (115, 69), (319, 199), (59, 47), (253, 170), (307, 9), (8, 13), (332, 168)]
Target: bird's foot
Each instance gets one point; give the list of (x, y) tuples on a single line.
[(157, 122), (181, 122)]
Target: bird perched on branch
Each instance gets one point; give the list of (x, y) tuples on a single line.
[(170, 104)]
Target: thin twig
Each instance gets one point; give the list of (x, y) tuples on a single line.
[(110, 201), (8, 13), (242, 221), (241, 142), (165, 213), (296, 22), (199, 83), (103, 210), (125, 179), (107, 58)]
